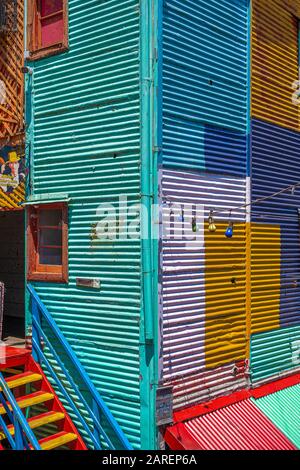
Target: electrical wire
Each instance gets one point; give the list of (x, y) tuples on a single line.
[(258, 200), (291, 187)]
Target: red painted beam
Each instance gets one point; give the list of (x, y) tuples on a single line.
[(218, 403), (276, 386), (213, 405), (11, 356)]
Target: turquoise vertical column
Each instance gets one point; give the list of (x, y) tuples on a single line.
[(149, 126)]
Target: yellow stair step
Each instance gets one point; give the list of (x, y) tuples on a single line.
[(22, 379), (30, 400), (37, 421), (57, 440)]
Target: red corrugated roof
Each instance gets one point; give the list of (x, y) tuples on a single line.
[(240, 426)]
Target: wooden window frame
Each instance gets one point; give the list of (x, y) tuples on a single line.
[(36, 51), (40, 272)]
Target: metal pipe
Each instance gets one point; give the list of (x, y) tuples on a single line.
[(146, 169)]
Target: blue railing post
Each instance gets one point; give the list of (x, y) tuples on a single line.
[(96, 412), (36, 338), (18, 420), (3, 425), (18, 435)]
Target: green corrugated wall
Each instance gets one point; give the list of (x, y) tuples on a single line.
[(86, 142), (274, 352), (283, 409)]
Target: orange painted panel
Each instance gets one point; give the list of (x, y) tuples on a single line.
[(265, 277), (275, 62), (225, 295)]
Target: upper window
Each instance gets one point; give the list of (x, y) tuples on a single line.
[(47, 27), (47, 240)]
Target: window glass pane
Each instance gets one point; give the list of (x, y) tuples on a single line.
[(51, 256), (50, 237), (50, 6), (52, 30), (50, 217)]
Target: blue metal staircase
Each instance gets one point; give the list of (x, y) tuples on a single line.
[(59, 382)]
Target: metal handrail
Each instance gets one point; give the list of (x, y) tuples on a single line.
[(39, 312), (17, 418), (58, 381)]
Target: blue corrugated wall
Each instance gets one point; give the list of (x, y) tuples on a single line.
[(205, 85), (275, 162), (205, 118), (194, 145)]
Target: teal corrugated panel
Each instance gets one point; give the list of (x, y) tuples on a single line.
[(283, 409), (274, 352), (86, 143)]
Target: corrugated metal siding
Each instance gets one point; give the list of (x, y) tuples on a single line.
[(204, 138), (275, 353), (275, 295), (241, 426), (274, 62), (204, 53), (265, 277), (293, 6), (225, 295), (282, 408), (191, 389), (198, 333), (196, 146), (276, 304), (87, 144), (280, 146)]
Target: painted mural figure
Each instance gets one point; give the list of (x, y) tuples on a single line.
[(11, 171)]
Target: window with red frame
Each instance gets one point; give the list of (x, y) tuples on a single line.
[(47, 26), (47, 241)]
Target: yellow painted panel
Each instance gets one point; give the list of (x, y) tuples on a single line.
[(225, 295), (58, 441), (25, 379), (12, 176), (13, 200), (293, 6), (265, 277), (37, 422), (275, 61), (30, 401)]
